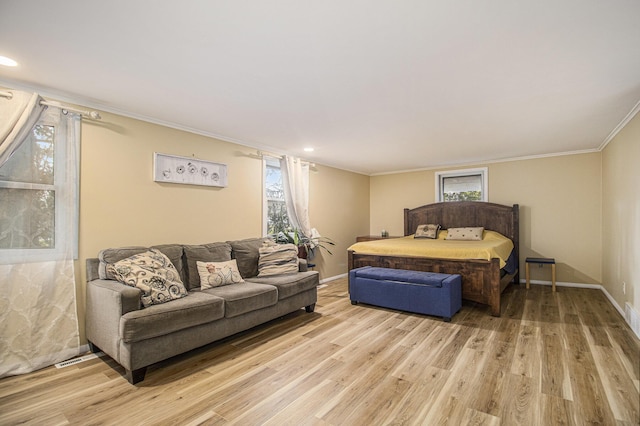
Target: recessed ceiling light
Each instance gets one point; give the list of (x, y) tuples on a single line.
[(7, 62), (308, 149)]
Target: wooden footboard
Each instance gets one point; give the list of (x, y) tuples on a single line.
[(481, 280)]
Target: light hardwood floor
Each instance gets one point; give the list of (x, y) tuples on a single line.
[(551, 359)]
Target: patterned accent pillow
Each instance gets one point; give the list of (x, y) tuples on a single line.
[(466, 234), (277, 259), (216, 274), (153, 273), (427, 231)]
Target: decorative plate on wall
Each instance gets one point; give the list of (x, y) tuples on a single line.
[(190, 171)]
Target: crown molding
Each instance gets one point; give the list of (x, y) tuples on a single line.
[(87, 103), (620, 126), (480, 163)]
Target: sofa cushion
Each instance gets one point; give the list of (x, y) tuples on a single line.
[(175, 254), (113, 255), (195, 309), (247, 254), (215, 274), (276, 259), (289, 284), (212, 252), (244, 297), (153, 273)]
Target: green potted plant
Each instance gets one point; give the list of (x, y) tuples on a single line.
[(306, 245)]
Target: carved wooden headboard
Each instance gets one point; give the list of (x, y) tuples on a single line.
[(494, 217)]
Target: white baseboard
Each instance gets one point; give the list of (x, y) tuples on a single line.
[(563, 284), (630, 315), (336, 277)]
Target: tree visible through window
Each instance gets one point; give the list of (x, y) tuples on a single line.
[(462, 185), (27, 193), (277, 219)]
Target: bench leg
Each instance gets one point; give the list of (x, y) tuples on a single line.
[(446, 319), (310, 308), (354, 302)]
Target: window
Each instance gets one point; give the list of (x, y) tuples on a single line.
[(462, 185), (275, 209), (32, 191)]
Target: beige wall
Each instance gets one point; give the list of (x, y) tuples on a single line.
[(560, 208), (339, 209), (121, 205), (566, 202), (621, 215)]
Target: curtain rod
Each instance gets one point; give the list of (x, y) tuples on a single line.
[(85, 113), (262, 154)]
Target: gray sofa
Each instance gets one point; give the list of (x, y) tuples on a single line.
[(137, 337)]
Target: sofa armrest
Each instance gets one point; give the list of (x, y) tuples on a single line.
[(107, 301), (302, 265)]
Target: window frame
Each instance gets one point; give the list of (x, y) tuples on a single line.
[(267, 161), (62, 151), (483, 172)]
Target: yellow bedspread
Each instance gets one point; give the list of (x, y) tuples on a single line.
[(493, 244)]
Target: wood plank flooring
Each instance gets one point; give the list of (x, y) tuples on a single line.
[(552, 359)]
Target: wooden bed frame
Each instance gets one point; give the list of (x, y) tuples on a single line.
[(481, 281)]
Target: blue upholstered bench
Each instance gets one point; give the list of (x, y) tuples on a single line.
[(426, 293)]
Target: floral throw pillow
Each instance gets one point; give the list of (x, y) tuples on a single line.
[(153, 273), (215, 274), (427, 231)]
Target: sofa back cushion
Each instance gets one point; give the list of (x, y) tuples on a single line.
[(113, 255), (153, 273), (213, 252), (246, 252)]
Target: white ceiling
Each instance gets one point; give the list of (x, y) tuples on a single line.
[(374, 86)]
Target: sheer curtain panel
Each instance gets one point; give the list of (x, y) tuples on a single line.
[(38, 238), (295, 180), (17, 116)]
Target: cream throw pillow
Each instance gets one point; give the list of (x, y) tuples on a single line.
[(277, 259), (216, 274), (153, 273), (466, 234)]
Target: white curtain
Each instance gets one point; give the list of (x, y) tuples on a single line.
[(18, 115), (295, 180), (38, 317)]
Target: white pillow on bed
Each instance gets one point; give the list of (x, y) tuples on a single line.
[(465, 234)]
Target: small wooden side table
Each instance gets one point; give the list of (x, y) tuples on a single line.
[(542, 261)]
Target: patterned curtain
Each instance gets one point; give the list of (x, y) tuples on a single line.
[(38, 238)]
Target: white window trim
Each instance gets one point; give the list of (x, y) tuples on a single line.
[(264, 197), (265, 201), (482, 171), (61, 151)]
